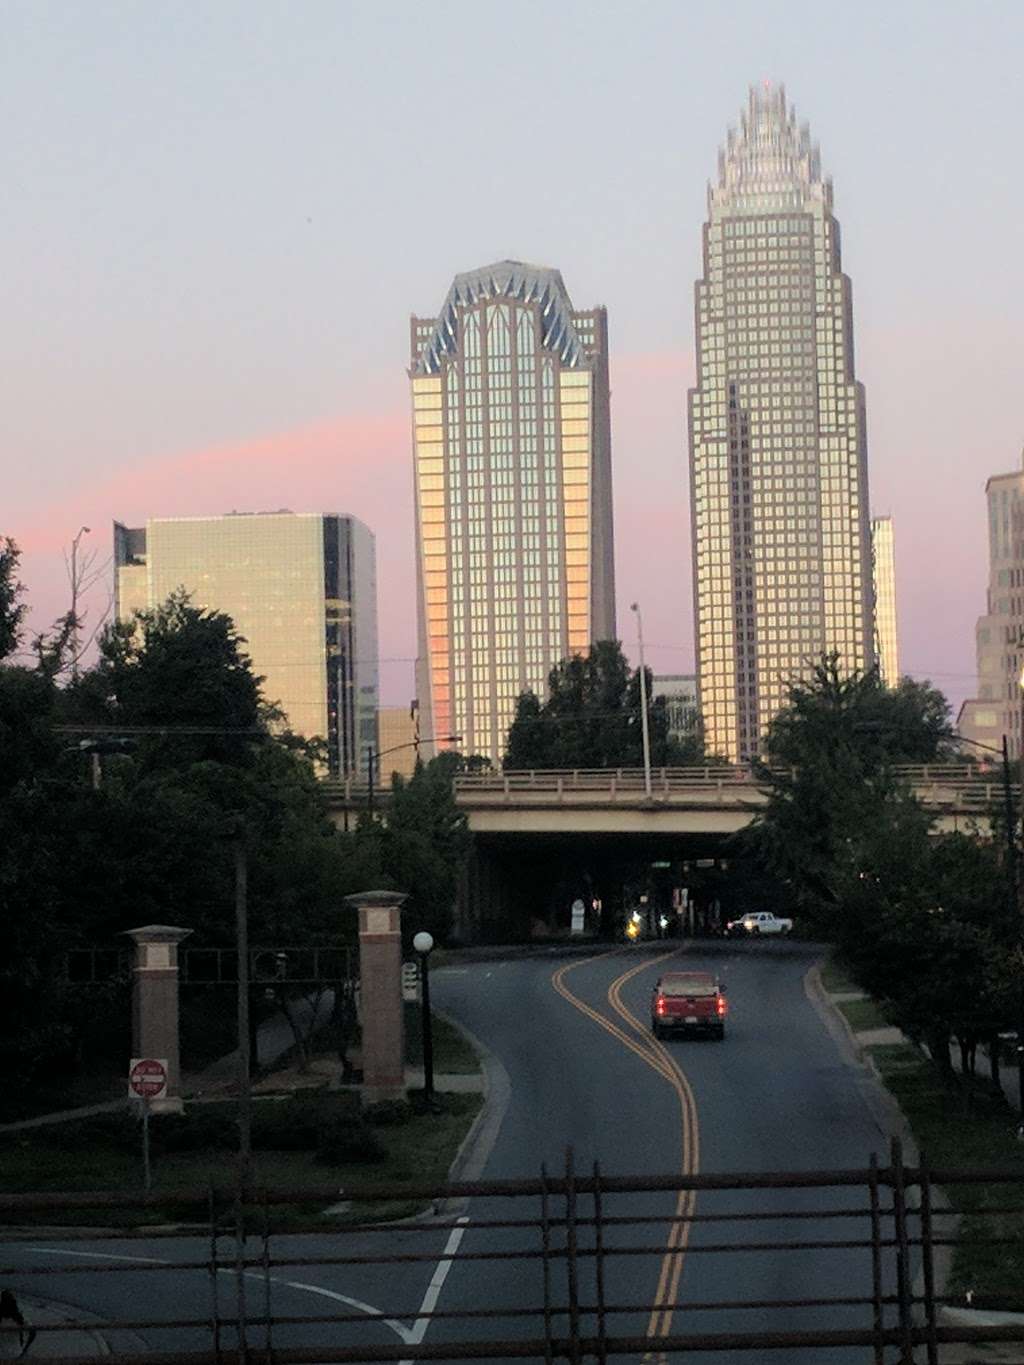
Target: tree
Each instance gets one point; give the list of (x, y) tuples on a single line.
[(12, 609), (829, 774), (591, 718), (175, 668), (923, 920)]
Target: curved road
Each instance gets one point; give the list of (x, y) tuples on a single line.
[(776, 1095)]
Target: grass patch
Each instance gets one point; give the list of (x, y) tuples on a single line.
[(862, 1014), (452, 1054), (936, 1109), (307, 1141), (835, 979)]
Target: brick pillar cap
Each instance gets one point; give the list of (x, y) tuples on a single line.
[(157, 933), (385, 900)]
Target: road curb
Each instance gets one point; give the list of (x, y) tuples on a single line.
[(475, 1148)]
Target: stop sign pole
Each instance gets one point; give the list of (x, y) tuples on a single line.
[(147, 1080)]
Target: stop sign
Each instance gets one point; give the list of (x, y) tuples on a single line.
[(147, 1077)]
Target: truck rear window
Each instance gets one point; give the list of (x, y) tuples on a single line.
[(695, 986)]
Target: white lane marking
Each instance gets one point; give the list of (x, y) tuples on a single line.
[(430, 1298), (404, 1334)]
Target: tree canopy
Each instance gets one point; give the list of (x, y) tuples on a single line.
[(591, 718)]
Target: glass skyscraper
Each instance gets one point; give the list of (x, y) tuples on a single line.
[(301, 589), (883, 560), (778, 461), (513, 496)]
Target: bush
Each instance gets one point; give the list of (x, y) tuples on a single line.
[(293, 1125), (350, 1142), (388, 1113), (205, 1128)]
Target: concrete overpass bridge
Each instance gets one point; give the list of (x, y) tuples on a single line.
[(691, 801), (544, 838)]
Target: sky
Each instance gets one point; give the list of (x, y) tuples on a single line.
[(218, 218)]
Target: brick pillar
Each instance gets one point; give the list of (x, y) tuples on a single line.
[(380, 988), (155, 1004)]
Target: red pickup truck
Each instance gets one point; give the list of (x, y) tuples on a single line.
[(688, 1002)]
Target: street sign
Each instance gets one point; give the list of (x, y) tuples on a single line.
[(578, 911), (410, 981), (147, 1077)]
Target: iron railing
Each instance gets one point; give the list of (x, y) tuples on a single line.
[(563, 1267)]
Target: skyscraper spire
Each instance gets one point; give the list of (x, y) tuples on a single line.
[(769, 163)]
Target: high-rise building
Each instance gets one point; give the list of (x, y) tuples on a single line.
[(999, 635), (883, 568), (778, 461), (302, 592), (679, 691), (513, 496), (397, 734)]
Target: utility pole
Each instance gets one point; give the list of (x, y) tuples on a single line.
[(76, 581), (1019, 909), (370, 761), (643, 701), (244, 1046)]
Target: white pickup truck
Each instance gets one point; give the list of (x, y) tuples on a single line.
[(759, 922)]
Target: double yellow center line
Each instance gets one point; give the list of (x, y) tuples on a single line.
[(636, 1037)]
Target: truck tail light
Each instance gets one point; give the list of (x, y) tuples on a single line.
[(660, 1007), (720, 1005)]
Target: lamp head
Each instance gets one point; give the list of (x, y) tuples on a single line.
[(423, 942)]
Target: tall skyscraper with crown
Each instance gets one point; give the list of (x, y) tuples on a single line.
[(778, 458)]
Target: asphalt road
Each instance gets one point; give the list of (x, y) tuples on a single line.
[(571, 1033), (776, 1095)]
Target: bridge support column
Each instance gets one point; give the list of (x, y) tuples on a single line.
[(380, 986), (155, 1010)]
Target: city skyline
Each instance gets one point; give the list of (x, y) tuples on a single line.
[(781, 537), (161, 358)]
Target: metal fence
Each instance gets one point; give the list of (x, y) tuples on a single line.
[(575, 1266)]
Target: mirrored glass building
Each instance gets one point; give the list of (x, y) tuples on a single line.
[(301, 589), (513, 496), (778, 459), (883, 560)]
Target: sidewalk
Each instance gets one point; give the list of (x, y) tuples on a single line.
[(273, 1039), (63, 1331), (881, 1037), (1007, 1353)]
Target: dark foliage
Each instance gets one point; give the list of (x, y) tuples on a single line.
[(592, 718)]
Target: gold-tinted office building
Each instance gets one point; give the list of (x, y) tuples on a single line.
[(883, 567), (301, 590), (997, 709), (513, 496), (778, 460)]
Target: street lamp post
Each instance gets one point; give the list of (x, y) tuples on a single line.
[(424, 943), (645, 730), (374, 756)]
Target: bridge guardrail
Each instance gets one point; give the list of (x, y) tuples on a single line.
[(954, 786)]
